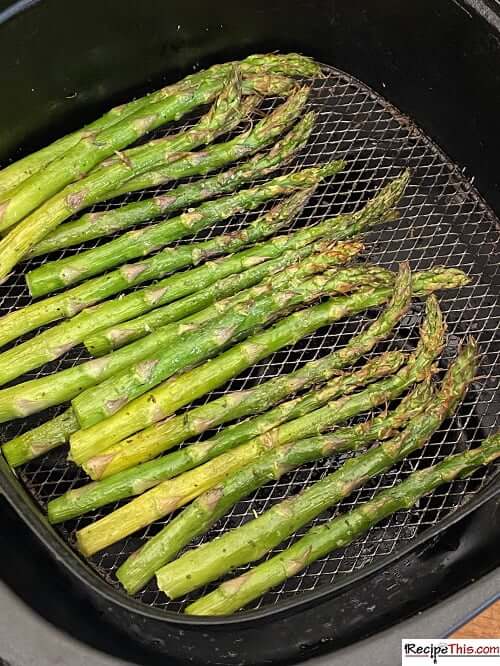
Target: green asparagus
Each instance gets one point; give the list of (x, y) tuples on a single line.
[(65, 272), (17, 172), (73, 301), (203, 512), (165, 399), (239, 316), (44, 392), (338, 533), (200, 300), (73, 198), (203, 162), (171, 495), (35, 395), (240, 320), (380, 208), (162, 436), (52, 343), (145, 476), (207, 129), (142, 477), (14, 174), (97, 466), (94, 147), (96, 225), (42, 439), (259, 536)]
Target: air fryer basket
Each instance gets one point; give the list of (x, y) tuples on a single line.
[(443, 220)]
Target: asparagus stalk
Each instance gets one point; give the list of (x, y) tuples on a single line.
[(93, 187), (199, 301), (96, 225), (205, 511), (344, 226), (136, 481), (42, 439), (201, 163), (255, 87), (17, 172), (230, 407), (42, 393), (242, 318), (165, 399), (52, 343), (174, 258), (38, 394), (261, 81), (171, 495), (97, 146), (21, 170), (206, 130), (65, 272), (259, 536), (93, 291), (156, 439), (234, 594)]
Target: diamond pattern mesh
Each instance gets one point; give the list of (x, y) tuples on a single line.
[(443, 221)]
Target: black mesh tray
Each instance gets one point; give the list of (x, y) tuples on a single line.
[(443, 221)]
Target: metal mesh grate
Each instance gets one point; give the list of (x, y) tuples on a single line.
[(443, 221)]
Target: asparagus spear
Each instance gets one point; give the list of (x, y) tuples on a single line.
[(97, 146), (255, 87), (257, 308), (95, 225), (141, 242), (204, 511), (244, 317), (259, 536), (203, 162), (345, 226), (40, 440), (171, 495), (52, 343), (19, 171), (136, 481), (229, 407), (205, 131), (162, 401), (174, 258), (42, 393), (321, 540), (201, 300), (38, 394), (291, 64), (74, 300), (94, 147), (59, 274), (156, 439), (93, 187)]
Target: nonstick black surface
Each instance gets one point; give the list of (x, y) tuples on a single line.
[(443, 221)]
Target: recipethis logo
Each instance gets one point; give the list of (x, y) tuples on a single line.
[(450, 652)]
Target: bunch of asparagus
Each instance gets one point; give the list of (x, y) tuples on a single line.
[(44, 190), (205, 312)]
